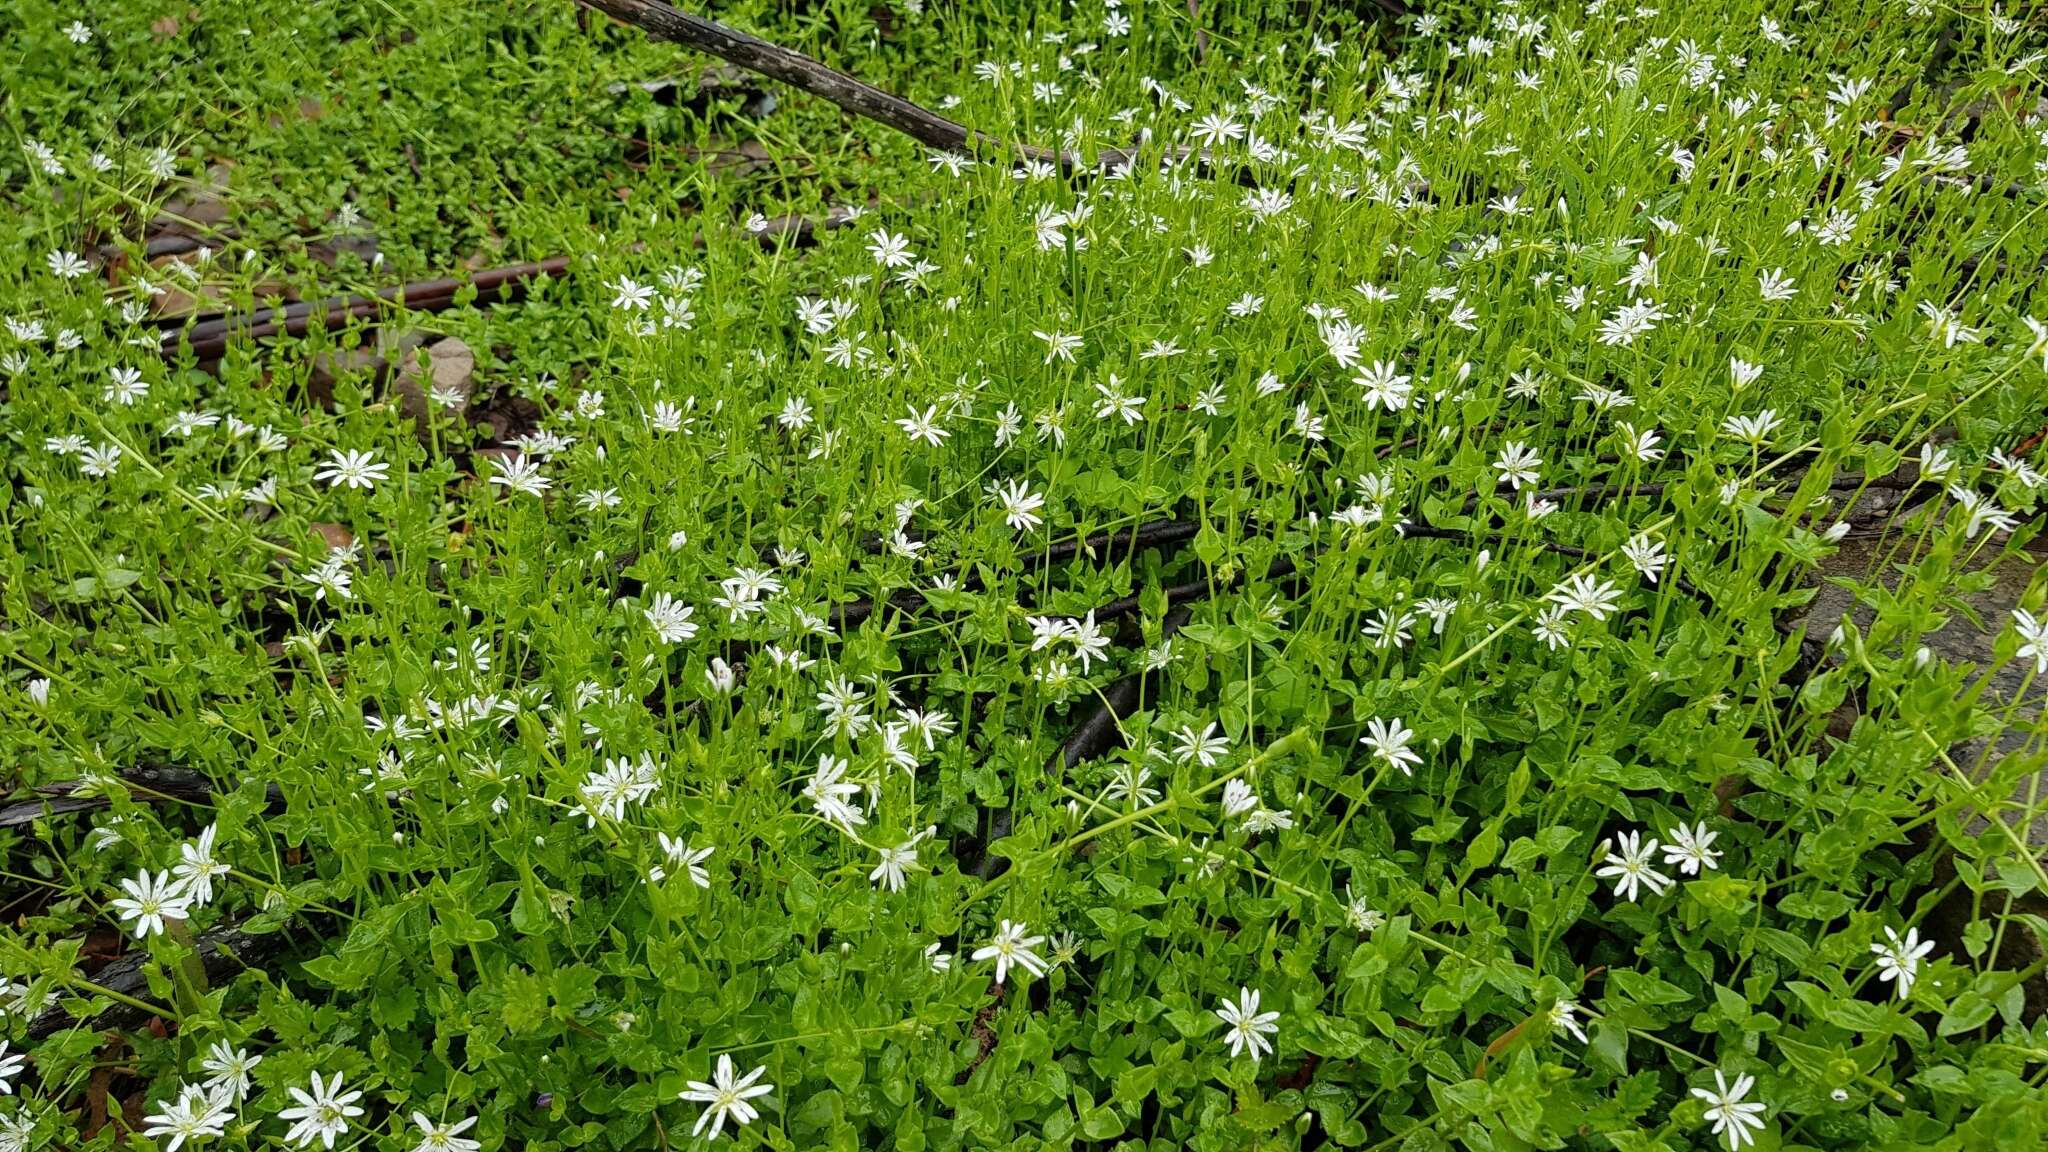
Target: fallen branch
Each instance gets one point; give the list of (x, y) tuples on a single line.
[(664, 22), (224, 950), (1095, 735), (209, 339), (153, 780)]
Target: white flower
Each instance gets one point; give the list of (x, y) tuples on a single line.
[(1114, 404), (1518, 465), (1774, 285), (1550, 627), (1630, 868), (1059, 346), (1249, 1027), (670, 619), (898, 860), (100, 459), (196, 867), (520, 475), (1898, 961), (1945, 326), (230, 1068), (1581, 593), (1384, 386), (2033, 636), (1091, 643), (843, 704), (1011, 947), (11, 1065), (1562, 1016), (828, 790), (1205, 747), (1238, 799), (1215, 130), (726, 1097), (444, 1137), (321, 1115), (1730, 1115), (890, 249), (1362, 917), (2037, 340), (196, 1114), (1981, 511), (1641, 445), (924, 427), (355, 469), (939, 962), (1265, 819), (1647, 555), (1009, 422), (1389, 742), (1741, 373), (595, 499), (1692, 849), (150, 901), (606, 792), (1752, 429), (691, 860), (928, 725), (630, 295), (2018, 469), (1020, 505), (1129, 783), (1630, 321), (1386, 629), (15, 1131), (124, 386), (1438, 609), (66, 265)]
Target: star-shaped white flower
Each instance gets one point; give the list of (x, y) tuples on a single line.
[(1011, 947), (726, 1097), (1249, 1027), (1731, 1115), (321, 1114), (1630, 868), (1898, 960)]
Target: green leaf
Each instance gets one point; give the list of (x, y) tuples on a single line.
[(1969, 1011)]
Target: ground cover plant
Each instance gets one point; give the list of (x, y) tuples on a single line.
[(1303, 639)]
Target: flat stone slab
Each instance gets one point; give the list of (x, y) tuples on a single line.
[(1960, 640)]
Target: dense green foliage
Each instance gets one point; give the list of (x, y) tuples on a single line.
[(1517, 374)]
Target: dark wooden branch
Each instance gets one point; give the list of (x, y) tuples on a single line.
[(665, 22), (154, 780), (1152, 534), (1192, 590), (209, 339), (1099, 733), (224, 950)]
